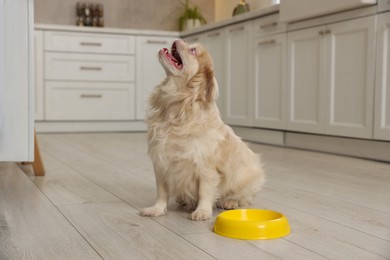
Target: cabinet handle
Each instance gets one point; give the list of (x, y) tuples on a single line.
[(90, 68), (98, 44), (156, 42), (213, 34), (324, 32), (269, 42), (237, 29), (91, 95), (268, 25)]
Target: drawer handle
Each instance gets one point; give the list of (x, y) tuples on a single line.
[(90, 68), (213, 34), (98, 44), (156, 42), (91, 96), (237, 29), (268, 25), (267, 42), (324, 32)]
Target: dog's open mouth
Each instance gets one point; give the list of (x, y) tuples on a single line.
[(174, 56)]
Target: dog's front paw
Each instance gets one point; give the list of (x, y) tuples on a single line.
[(152, 212), (200, 215), (227, 204)]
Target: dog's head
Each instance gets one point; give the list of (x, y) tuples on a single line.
[(192, 66)]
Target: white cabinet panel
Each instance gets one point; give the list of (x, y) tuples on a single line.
[(238, 107), (269, 73), (89, 101), (39, 88), (306, 50), (16, 81), (331, 78), (350, 77), (382, 88), (214, 41), (150, 73), (89, 43), (94, 67)]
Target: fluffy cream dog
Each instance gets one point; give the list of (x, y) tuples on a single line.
[(196, 157)]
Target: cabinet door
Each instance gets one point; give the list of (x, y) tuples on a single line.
[(350, 77), (237, 75), (215, 44), (38, 58), (16, 89), (382, 90), (149, 71), (268, 75), (306, 51)]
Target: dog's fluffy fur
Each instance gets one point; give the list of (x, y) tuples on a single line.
[(196, 157)]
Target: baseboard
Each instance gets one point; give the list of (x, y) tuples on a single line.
[(257, 135), (362, 148), (368, 149), (74, 126)]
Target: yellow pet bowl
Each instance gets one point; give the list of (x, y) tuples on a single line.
[(251, 224)]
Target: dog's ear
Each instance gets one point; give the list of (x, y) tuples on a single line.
[(211, 90)]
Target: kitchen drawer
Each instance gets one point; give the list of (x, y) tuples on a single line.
[(94, 67), (89, 43), (268, 25), (89, 101)]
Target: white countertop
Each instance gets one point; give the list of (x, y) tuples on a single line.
[(236, 19), (87, 29)]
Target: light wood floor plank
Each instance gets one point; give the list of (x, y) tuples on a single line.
[(357, 181), (118, 232), (327, 238), (30, 226), (116, 149), (376, 223), (227, 248), (138, 192), (65, 186)]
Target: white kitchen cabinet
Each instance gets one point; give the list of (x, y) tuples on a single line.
[(89, 67), (305, 87), (89, 43), (86, 101), (16, 81), (149, 71), (214, 41), (269, 81), (350, 77), (39, 87), (88, 77), (238, 90), (382, 88), (331, 78)]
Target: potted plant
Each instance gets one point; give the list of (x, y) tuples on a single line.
[(191, 17)]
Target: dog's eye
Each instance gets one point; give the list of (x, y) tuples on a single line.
[(193, 50)]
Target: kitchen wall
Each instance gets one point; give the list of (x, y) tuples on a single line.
[(224, 8), (134, 14)]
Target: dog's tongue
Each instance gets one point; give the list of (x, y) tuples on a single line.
[(177, 57), (176, 54)]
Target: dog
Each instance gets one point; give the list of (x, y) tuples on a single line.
[(196, 157)]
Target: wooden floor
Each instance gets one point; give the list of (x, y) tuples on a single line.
[(86, 207)]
